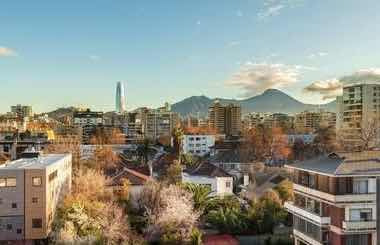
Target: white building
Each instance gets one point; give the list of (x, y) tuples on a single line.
[(197, 144), (219, 181), (30, 191)]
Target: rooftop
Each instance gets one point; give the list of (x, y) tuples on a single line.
[(208, 169), (41, 162), (343, 164)]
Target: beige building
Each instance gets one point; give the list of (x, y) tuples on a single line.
[(359, 112), (226, 119), (30, 190), (309, 121)]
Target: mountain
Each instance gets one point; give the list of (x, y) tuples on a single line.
[(272, 100)]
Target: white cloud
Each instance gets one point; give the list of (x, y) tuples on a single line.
[(6, 52), (320, 54), (94, 57), (233, 43), (255, 78), (274, 7), (239, 13), (328, 89), (370, 75)]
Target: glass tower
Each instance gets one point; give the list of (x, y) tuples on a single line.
[(120, 98)]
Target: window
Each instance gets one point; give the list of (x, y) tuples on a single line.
[(2, 182), (361, 214), (360, 186), (37, 223), (7, 182), (228, 184), (1, 201), (37, 181), (19, 231), (11, 182), (9, 227), (35, 200), (14, 205)]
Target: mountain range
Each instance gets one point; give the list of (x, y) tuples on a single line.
[(271, 100)]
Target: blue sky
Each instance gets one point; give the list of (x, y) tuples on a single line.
[(62, 53)]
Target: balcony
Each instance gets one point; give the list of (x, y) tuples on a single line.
[(306, 214), (306, 238), (347, 198), (359, 225)]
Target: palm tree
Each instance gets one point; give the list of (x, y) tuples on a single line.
[(177, 135), (229, 220), (201, 196), (143, 151)]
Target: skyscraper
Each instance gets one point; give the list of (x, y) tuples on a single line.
[(120, 98)]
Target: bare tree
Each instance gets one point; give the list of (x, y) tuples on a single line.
[(369, 133)]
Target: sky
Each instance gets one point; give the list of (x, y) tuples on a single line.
[(72, 53)]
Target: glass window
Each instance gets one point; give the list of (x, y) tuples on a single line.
[(9, 227), (14, 205), (361, 214), (228, 184), (2, 182), (360, 186), (35, 200), (36, 223), (37, 181), (11, 182)]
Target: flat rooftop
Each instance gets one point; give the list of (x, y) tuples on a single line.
[(343, 164), (41, 162)]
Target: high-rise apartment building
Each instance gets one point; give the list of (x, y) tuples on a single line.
[(22, 111), (30, 191), (225, 119), (151, 123), (309, 121), (88, 121), (336, 199), (120, 98), (359, 112)]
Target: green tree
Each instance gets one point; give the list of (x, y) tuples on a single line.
[(228, 220), (285, 190), (201, 196)]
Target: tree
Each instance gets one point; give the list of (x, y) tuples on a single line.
[(369, 133), (67, 144), (177, 135), (325, 139), (201, 196), (285, 190), (228, 220), (104, 158), (144, 150), (169, 211), (267, 212), (173, 173)]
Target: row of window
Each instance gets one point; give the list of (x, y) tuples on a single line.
[(12, 182), (197, 138), (36, 224)]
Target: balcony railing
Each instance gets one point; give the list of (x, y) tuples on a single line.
[(359, 225), (306, 214), (366, 197), (306, 238)]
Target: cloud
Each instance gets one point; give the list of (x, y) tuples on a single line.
[(274, 7), (328, 89), (239, 13), (233, 43), (198, 22), (370, 75), (94, 57), (320, 54), (255, 78), (6, 52)]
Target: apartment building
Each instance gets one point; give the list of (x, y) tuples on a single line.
[(309, 121), (197, 144), (225, 119), (22, 111), (30, 190), (88, 121), (359, 112), (335, 199)]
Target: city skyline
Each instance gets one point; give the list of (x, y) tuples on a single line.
[(169, 51)]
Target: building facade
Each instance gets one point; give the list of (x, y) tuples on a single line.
[(88, 121), (120, 102), (22, 111), (359, 112), (197, 144), (30, 191), (335, 199), (225, 119)]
